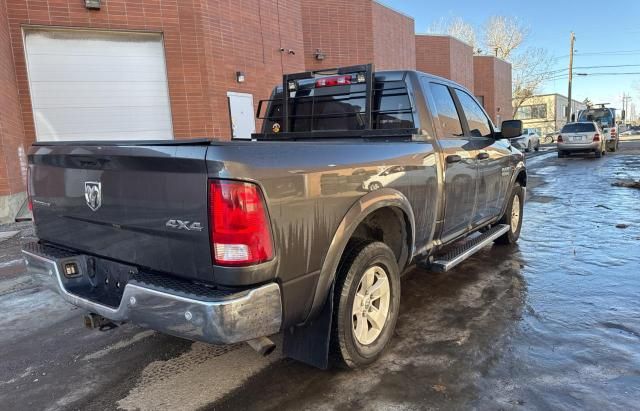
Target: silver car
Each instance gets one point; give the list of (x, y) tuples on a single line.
[(581, 137)]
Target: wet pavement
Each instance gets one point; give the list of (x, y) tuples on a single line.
[(552, 323)]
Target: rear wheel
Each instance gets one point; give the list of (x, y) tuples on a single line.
[(528, 149), (513, 216), (366, 304), (599, 153), (537, 146)]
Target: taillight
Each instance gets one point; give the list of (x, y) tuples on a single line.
[(333, 81), (596, 137), (240, 233), (559, 140), (613, 133)]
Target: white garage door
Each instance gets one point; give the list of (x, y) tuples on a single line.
[(97, 85)]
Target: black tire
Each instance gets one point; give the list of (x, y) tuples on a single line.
[(511, 236), (528, 149), (537, 147), (598, 153), (346, 350), (562, 154)]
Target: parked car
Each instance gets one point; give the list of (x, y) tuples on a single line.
[(581, 137), (528, 141), (193, 239)]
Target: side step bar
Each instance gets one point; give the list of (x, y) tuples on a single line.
[(457, 255)]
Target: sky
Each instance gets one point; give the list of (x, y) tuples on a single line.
[(607, 33)]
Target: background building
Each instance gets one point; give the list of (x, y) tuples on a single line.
[(492, 86), (446, 57), (339, 33), (165, 69), (546, 113)]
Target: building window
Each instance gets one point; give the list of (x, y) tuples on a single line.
[(481, 100), (531, 112)]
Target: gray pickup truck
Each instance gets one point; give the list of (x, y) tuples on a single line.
[(304, 230)]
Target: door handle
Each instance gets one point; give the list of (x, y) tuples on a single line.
[(482, 156), (453, 158)]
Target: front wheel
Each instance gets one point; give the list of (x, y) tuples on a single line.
[(513, 216), (528, 149), (366, 304)]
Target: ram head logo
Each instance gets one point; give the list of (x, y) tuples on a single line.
[(93, 194)]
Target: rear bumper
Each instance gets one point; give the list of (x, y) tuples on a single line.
[(579, 147), (223, 319)]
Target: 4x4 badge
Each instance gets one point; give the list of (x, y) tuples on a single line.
[(93, 194)]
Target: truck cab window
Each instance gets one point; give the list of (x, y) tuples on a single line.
[(477, 120), (447, 114)]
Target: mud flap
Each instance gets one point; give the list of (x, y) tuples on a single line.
[(310, 343)]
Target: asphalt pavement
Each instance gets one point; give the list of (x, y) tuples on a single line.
[(552, 323)]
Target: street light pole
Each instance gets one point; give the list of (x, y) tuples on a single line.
[(573, 39)]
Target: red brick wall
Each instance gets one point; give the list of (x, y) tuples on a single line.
[(493, 82), (356, 32), (393, 39), (504, 96), (342, 30), (462, 63), (12, 152), (446, 57), (206, 42)]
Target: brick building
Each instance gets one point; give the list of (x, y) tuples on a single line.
[(163, 69), (492, 86), (338, 33), (446, 57)]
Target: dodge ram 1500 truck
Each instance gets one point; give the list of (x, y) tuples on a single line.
[(304, 230)]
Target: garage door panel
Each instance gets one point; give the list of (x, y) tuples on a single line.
[(90, 122), (106, 68), (93, 42), (97, 85), (80, 94)]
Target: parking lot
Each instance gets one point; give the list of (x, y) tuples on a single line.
[(553, 323)]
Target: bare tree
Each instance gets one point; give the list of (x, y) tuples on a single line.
[(531, 69), (502, 36), (455, 27)]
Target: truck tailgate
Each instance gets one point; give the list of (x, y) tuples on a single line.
[(137, 204)]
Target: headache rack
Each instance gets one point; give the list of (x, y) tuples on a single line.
[(353, 75)]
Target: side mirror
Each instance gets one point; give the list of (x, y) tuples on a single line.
[(511, 128)]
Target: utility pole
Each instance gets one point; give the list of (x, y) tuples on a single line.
[(573, 39)]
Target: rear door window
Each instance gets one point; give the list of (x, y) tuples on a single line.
[(479, 125), (579, 128), (447, 114)]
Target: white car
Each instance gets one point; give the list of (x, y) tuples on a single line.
[(528, 140)]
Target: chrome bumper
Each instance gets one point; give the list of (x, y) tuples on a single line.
[(232, 318)]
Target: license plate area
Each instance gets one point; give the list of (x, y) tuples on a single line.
[(578, 139), (100, 280)]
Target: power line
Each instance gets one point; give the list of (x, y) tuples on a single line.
[(602, 53), (563, 76)]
